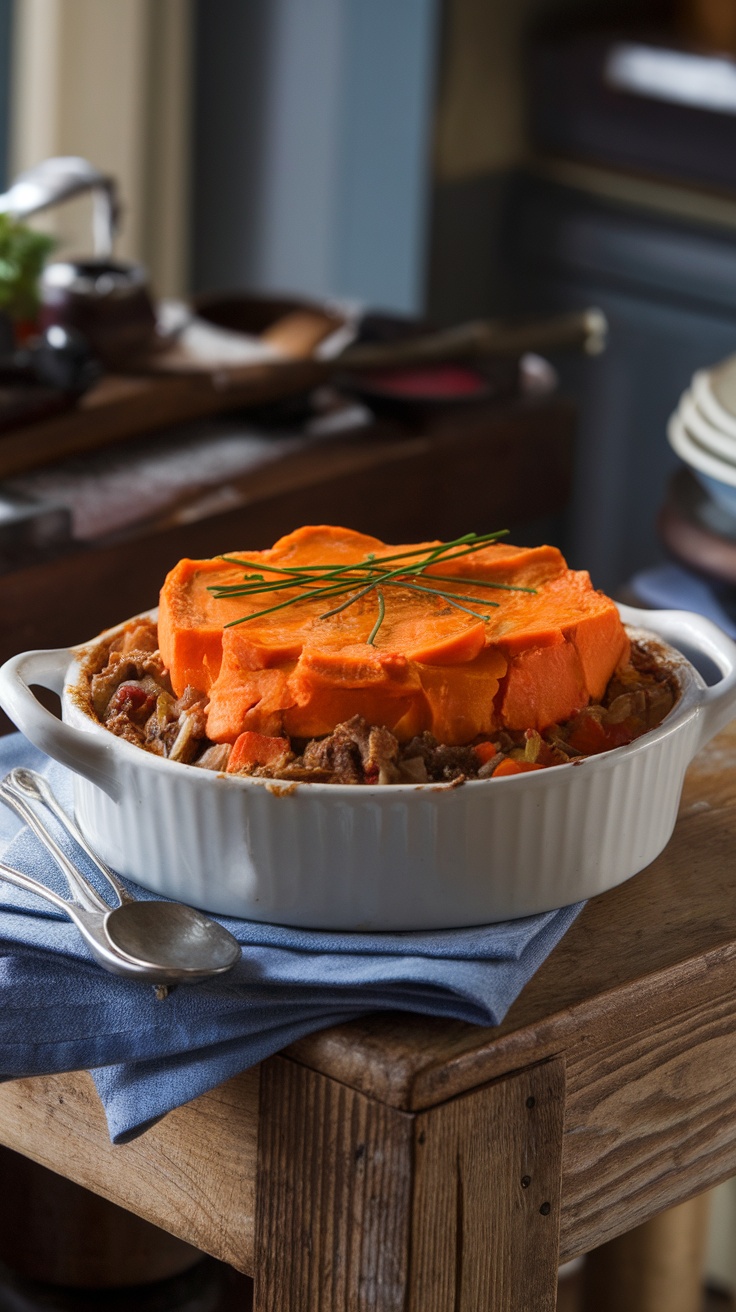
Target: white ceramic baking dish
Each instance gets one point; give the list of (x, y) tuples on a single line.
[(396, 857)]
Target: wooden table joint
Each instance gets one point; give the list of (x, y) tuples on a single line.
[(362, 1206)]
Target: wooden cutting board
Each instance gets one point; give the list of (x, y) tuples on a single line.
[(120, 407)]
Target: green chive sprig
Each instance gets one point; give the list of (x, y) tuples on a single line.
[(361, 578)]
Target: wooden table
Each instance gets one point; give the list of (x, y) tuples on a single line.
[(405, 1164)]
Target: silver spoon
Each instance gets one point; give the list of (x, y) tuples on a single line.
[(163, 942)]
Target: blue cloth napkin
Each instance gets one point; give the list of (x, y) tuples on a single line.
[(60, 1011)]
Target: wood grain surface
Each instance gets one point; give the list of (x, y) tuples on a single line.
[(334, 1197), (120, 407), (650, 1121), (193, 1174), (362, 1208), (486, 1207)]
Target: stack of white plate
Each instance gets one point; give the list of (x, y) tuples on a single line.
[(703, 431)]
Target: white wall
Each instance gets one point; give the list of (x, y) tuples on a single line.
[(110, 82)]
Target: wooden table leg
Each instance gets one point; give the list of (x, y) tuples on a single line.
[(657, 1265), (361, 1206)]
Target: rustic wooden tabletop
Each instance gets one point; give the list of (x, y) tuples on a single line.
[(401, 1162)]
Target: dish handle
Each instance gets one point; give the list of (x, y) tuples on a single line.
[(73, 747), (695, 635)]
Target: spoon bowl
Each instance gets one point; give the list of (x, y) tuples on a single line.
[(162, 942), (172, 937)]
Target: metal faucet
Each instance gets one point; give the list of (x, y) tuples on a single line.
[(59, 179)]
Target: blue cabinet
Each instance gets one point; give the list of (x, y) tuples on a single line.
[(669, 292)]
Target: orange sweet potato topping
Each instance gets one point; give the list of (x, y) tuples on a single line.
[(537, 660)]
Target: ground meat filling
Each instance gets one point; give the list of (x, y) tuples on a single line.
[(130, 693)]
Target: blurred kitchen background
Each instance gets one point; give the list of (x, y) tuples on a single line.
[(447, 161), (451, 160)]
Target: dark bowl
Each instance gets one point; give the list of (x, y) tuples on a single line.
[(245, 312)]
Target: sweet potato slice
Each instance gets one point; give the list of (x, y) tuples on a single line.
[(544, 685), (460, 698), (190, 625), (255, 702), (330, 686), (599, 639), (536, 658)]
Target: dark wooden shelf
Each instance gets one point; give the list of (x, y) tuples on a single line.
[(494, 466)]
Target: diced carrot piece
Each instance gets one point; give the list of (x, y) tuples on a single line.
[(485, 752), (251, 749), (509, 766), (590, 737)]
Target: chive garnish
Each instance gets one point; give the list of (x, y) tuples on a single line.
[(360, 578), (379, 621)]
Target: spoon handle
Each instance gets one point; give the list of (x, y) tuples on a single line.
[(31, 784), (12, 876), (92, 928), (85, 892)]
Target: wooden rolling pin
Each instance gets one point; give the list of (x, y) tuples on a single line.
[(583, 330)]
